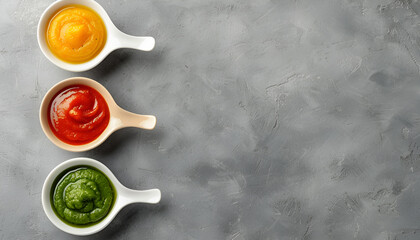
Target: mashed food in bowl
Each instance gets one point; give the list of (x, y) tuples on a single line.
[(82, 196), (76, 34)]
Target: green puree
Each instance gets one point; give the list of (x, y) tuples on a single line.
[(82, 196)]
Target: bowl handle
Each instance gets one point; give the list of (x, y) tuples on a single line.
[(134, 42), (151, 196), (129, 119)]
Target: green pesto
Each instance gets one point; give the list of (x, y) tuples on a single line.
[(82, 196)]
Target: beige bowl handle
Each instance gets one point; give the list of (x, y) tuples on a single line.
[(129, 119)]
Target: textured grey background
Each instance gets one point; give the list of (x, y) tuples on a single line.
[(276, 119)]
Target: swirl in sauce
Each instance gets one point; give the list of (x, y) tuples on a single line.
[(76, 34), (82, 196), (78, 114)]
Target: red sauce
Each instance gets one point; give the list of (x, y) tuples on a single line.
[(78, 114)]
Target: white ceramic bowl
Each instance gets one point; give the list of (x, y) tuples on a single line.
[(119, 118), (115, 38), (124, 196)]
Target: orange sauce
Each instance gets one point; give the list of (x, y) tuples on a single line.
[(76, 34)]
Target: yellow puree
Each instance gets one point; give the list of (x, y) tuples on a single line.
[(76, 34)]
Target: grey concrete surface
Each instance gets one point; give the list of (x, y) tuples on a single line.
[(288, 119)]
